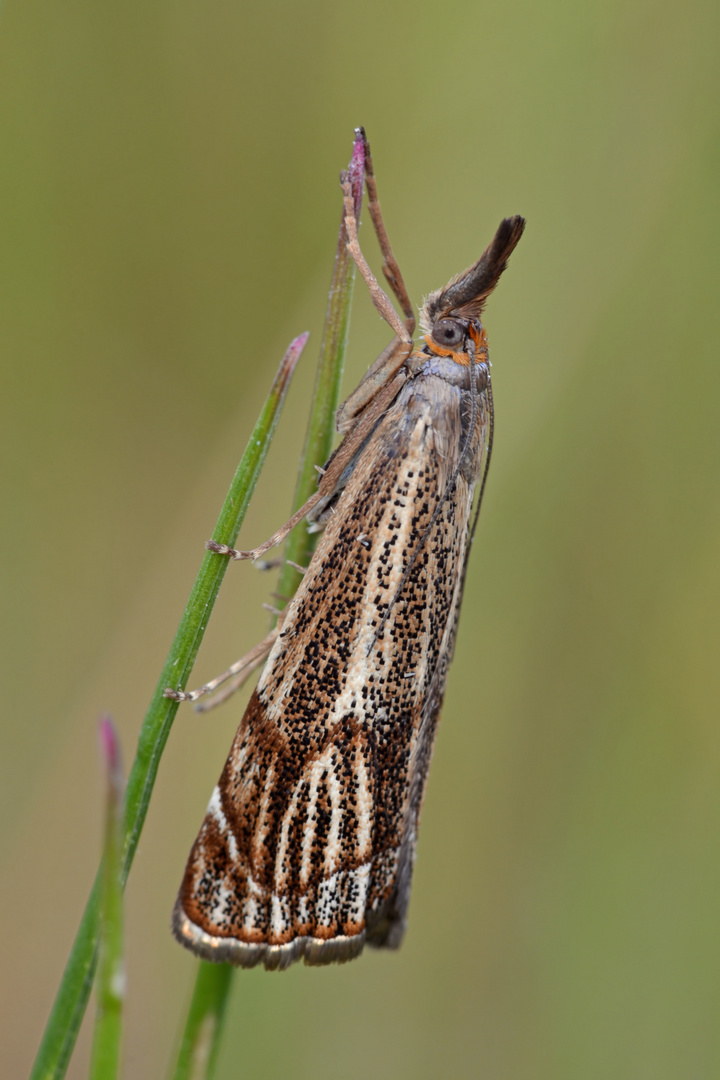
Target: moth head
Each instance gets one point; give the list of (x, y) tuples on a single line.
[(447, 311)]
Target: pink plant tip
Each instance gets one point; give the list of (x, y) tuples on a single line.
[(289, 360), (356, 168), (111, 753), (298, 344)]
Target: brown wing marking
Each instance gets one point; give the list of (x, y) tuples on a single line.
[(273, 878)]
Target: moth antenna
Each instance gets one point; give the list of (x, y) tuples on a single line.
[(483, 482), (486, 469)]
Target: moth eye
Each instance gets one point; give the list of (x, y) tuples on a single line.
[(448, 332)]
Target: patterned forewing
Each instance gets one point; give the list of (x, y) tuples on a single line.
[(309, 837)]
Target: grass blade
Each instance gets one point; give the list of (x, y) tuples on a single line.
[(200, 1044), (72, 997), (111, 972)]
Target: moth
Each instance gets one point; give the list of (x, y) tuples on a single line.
[(308, 843)]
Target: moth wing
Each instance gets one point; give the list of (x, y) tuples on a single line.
[(308, 843)]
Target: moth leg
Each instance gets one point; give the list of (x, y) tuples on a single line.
[(236, 684), (343, 460), (391, 270), (394, 356), (331, 476), (272, 609), (296, 566), (276, 538), (268, 564), (382, 372), (331, 481), (379, 298), (239, 672)]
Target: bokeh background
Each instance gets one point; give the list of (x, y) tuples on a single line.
[(169, 209)]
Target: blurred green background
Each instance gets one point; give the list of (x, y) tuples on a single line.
[(169, 207)]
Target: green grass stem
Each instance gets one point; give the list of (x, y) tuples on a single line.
[(200, 1044), (110, 986), (72, 997)]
